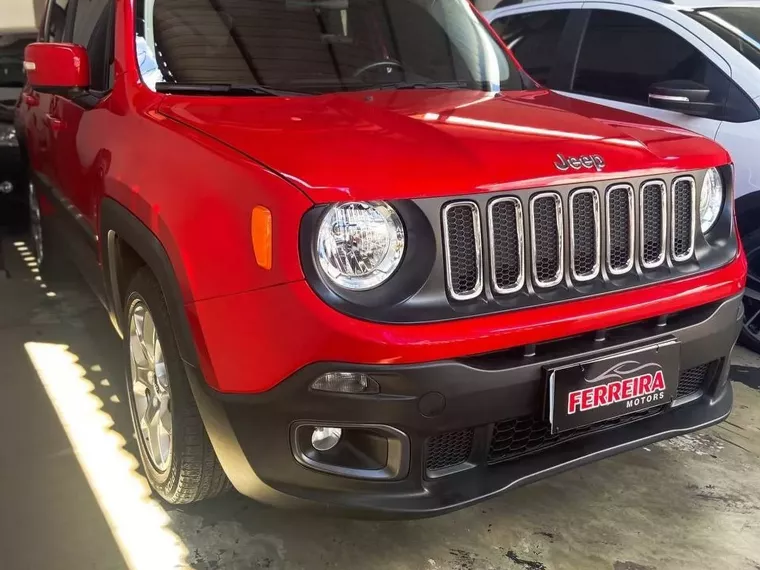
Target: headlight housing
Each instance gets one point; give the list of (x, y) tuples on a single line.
[(360, 244), (710, 199), (8, 135)]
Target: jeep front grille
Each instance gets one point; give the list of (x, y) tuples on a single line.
[(606, 232)]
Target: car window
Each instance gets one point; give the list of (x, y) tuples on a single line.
[(55, 21), (739, 26), (320, 46), (622, 55), (93, 30), (533, 39)]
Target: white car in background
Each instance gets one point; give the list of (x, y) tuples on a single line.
[(692, 63)]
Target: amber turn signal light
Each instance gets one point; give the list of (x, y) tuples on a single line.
[(261, 234)]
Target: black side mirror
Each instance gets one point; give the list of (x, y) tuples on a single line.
[(683, 96)]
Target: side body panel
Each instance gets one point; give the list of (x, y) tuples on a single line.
[(742, 140), (703, 126)]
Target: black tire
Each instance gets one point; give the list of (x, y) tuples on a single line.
[(750, 335), (194, 472)]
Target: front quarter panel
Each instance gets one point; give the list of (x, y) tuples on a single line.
[(196, 196)]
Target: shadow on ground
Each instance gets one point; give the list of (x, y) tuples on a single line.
[(690, 503)]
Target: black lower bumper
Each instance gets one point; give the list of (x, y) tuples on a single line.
[(478, 396)]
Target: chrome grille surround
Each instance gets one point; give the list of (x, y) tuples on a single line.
[(497, 283), (574, 253), (559, 244), (477, 289), (644, 229), (674, 222), (613, 269)]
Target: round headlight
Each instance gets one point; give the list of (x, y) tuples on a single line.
[(360, 244), (710, 200)]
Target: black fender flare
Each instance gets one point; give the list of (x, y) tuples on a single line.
[(117, 224)]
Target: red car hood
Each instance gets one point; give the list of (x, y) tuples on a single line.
[(419, 143)]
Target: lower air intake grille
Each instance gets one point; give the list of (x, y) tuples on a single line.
[(448, 449), (529, 434), (692, 380), (516, 437), (461, 227)]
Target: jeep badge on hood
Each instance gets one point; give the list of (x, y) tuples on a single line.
[(576, 163)]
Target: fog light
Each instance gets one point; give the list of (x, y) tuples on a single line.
[(346, 383), (325, 438), (6, 187)]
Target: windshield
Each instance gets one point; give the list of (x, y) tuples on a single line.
[(320, 46), (737, 25)]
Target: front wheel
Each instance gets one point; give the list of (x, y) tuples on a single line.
[(750, 335), (176, 453)]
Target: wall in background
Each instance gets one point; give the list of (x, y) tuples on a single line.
[(20, 16)]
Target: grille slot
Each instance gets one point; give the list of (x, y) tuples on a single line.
[(620, 226), (448, 449), (683, 198), (462, 240), (546, 239), (584, 234), (653, 218), (505, 221)]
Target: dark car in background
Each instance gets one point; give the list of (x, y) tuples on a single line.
[(13, 177)]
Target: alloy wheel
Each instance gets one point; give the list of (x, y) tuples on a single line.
[(151, 399)]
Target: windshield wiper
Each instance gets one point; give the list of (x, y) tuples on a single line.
[(428, 85), (223, 89)]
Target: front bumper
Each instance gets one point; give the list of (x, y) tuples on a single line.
[(252, 434)]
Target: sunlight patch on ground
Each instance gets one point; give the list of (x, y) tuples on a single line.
[(138, 522)]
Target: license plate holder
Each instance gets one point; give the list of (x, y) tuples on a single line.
[(600, 389)]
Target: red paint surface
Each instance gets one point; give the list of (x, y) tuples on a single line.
[(57, 65), (437, 143), (192, 169), (254, 340)]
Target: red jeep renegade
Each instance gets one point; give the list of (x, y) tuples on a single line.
[(360, 259)]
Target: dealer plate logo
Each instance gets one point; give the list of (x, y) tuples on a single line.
[(630, 382)]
